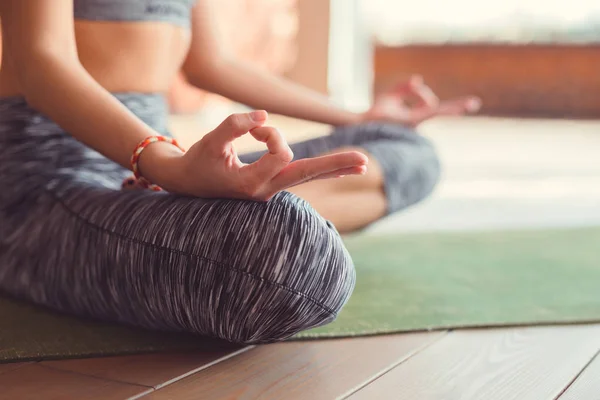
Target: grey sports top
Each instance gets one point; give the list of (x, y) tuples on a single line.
[(172, 11)]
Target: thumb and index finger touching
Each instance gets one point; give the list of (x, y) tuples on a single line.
[(429, 105), (236, 125), (269, 170)]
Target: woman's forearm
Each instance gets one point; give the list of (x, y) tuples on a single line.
[(41, 49), (64, 92), (67, 94), (256, 88)]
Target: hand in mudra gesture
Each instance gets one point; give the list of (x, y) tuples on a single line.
[(394, 104), (211, 167)]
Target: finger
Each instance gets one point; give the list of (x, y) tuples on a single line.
[(269, 165), (459, 106), (425, 96), (276, 143), (235, 126), (360, 170), (340, 173), (309, 168), (473, 104), (415, 87), (405, 88), (454, 107)]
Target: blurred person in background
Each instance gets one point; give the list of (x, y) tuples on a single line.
[(103, 215), (269, 43)]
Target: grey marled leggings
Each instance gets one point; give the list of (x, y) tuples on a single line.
[(243, 271)]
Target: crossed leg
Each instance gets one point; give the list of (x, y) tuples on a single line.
[(350, 203), (403, 169)]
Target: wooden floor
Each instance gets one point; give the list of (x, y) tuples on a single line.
[(499, 174), (514, 363)]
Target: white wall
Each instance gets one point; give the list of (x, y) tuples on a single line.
[(350, 72)]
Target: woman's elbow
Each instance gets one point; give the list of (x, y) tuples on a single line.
[(204, 72), (42, 72)]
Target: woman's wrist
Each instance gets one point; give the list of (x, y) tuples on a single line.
[(336, 116), (161, 164), (355, 118)]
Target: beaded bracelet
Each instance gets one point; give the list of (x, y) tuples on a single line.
[(137, 178)]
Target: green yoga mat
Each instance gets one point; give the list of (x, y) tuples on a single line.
[(404, 283)]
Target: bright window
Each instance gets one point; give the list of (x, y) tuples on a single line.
[(395, 22)]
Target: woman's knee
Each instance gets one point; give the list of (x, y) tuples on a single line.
[(405, 147), (301, 277), (428, 169), (410, 164)]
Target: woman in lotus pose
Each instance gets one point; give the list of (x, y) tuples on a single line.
[(244, 248)]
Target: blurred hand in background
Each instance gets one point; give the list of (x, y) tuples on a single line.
[(412, 102)]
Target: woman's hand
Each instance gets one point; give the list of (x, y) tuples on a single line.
[(212, 169), (393, 105)]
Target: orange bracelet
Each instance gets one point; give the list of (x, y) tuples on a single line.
[(135, 157)]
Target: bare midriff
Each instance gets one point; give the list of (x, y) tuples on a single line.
[(122, 56)]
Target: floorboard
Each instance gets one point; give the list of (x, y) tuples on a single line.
[(11, 366), (524, 363), (587, 384), (152, 370), (37, 382), (315, 370)]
